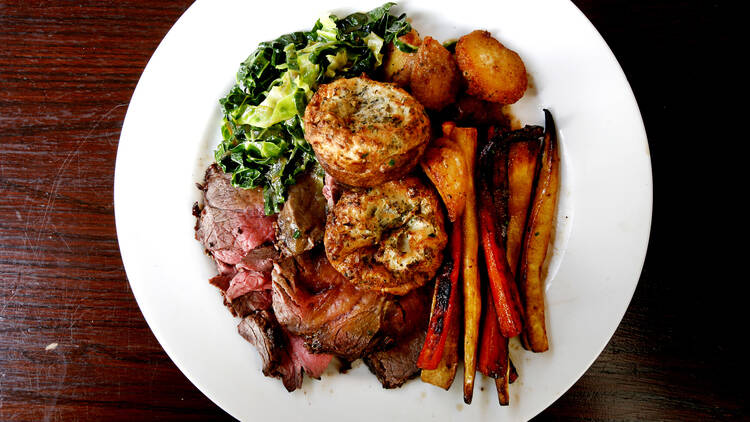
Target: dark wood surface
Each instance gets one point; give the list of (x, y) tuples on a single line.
[(74, 345)]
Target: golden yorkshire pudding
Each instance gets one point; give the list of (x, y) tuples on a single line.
[(388, 238), (366, 132)]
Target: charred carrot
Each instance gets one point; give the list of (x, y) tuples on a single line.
[(493, 350), (445, 373), (493, 354), (502, 285), (444, 304), (501, 281)]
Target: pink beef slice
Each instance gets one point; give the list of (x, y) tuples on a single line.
[(232, 222), (313, 301), (247, 281), (284, 356)]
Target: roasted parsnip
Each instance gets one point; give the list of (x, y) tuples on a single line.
[(467, 139), (444, 164), (539, 227), (522, 160)]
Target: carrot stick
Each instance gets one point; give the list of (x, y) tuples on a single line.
[(444, 304), (493, 354), (502, 285), (493, 213), (445, 373), (493, 351)]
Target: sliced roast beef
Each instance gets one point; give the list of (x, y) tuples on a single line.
[(407, 327), (260, 329), (311, 299), (246, 281), (395, 366), (249, 302), (234, 230), (299, 311), (283, 356), (232, 222), (302, 220), (403, 314), (259, 259), (313, 363), (235, 281)]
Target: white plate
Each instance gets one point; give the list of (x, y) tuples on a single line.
[(172, 125)]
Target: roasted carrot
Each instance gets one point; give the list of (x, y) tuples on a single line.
[(494, 193), (539, 227), (467, 139), (491, 346), (493, 353), (443, 375), (502, 285), (444, 304)]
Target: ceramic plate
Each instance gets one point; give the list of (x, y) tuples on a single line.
[(172, 126)]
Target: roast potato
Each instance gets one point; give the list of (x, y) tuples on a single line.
[(435, 78), (492, 72), (366, 132), (397, 64)]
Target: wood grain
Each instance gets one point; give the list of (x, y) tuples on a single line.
[(73, 343)]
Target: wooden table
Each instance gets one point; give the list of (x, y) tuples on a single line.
[(73, 343)]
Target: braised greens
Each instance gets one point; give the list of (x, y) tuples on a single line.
[(263, 136)]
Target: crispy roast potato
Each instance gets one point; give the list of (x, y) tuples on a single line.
[(388, 238), (492, 72), (396, 63), (366, 132), (444, 164), (435, 78)]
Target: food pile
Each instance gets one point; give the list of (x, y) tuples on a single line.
[(371, 199)]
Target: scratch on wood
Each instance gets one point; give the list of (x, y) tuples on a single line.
[(61, 169)]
